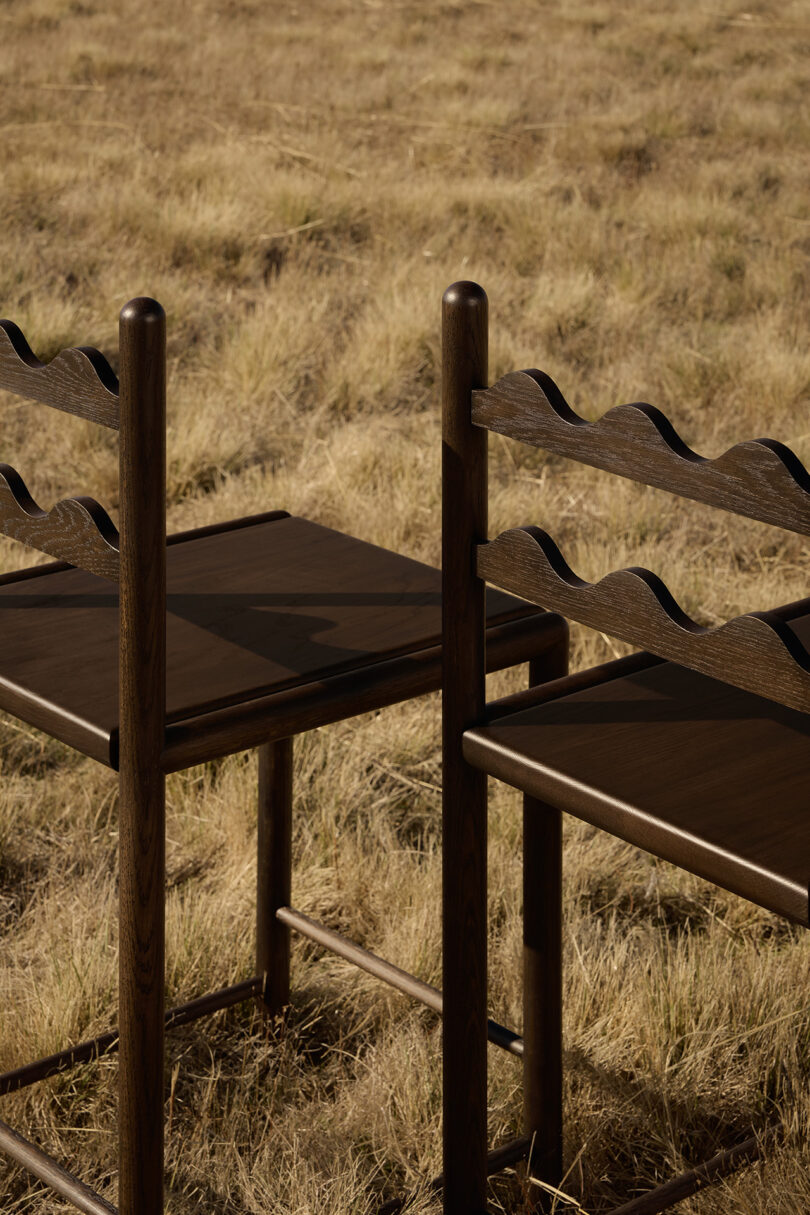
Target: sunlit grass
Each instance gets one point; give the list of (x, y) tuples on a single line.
[(297, 184)]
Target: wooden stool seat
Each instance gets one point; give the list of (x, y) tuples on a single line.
[(691, 769), (258, 608)]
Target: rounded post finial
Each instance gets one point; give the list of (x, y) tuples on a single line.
[(465, 321), (464, 294), (141, 309)]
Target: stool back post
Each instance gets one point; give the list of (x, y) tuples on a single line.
[(464, 830), (142, 726)]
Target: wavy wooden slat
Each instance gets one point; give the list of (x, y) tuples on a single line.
[(757, 652), (78, 380), (760, 478), (77, 530)]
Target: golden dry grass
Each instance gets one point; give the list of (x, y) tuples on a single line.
[(297, 184)]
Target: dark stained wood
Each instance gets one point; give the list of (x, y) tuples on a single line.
[(53, 1174), (225, 997), (686, 767), (703, 764), (274, 872), (253, 613), (426, 994), (274, 626), (761, 478), (671, 1192), (34, 571), (142, 684), (337, 697), (77, 530), (756, 652), (464, 793), (79, 381), (542, 964), (50, 1065), (553, 689), (340, 945), (227, 525)]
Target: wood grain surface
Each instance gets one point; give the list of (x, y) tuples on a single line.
[(328, 698), (252, 611), (76, 530), (464, 793), (701, 761), (760, 478), (757, 652), (53, 1174), (79, 380), (704, 775), (141, 801)]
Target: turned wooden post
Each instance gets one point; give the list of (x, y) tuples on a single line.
[(142, 715), (464, 830), (542, 962), (274, 873)]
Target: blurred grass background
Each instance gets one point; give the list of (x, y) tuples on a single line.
[(297, 184)]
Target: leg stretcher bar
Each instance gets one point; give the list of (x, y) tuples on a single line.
[(64, 1183)]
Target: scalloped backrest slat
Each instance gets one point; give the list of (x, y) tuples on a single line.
[(78, 380), (757, 652), (76, 530), (760, 479)]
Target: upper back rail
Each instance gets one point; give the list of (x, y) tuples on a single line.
[(79, 381), (758, 652), (761, 478)]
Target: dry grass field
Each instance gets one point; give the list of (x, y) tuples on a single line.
[(297, 183)]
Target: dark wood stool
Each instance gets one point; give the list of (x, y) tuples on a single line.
[(694, 749), (238, 635)]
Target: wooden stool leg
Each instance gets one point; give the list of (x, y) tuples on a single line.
[(464, 986), (141, 993), (464, 789), (542, 969), (142, 801), (274, 872), (542, 991)]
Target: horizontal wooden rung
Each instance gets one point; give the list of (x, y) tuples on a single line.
[(497, 1034), (665, 1196), (566, 685), (106, 1044), (183, 1014), (46, 1169)]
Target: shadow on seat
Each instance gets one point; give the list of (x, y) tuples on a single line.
[(694, 748), (151, 655)]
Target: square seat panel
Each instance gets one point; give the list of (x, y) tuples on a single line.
[(255, 610), (695, 771)]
